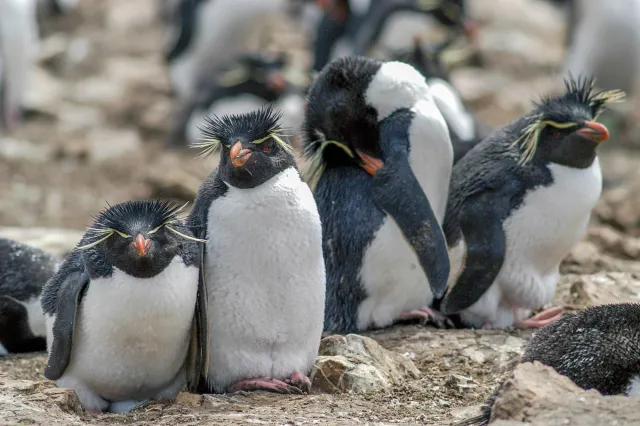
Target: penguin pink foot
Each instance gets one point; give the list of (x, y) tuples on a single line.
[(13, 117), (427, 315), (264, 383), (300, 381), (543, 318)]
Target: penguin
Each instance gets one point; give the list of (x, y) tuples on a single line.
[(123, 312), (263, 262), (354, 27), (603, 41), (23, 272), (597, 348), (18, 51), (518, 202), (255, 79), (48, 8), (206, 34), (381, 160), (464, 128)]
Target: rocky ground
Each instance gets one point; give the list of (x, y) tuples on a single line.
[(100, 107)]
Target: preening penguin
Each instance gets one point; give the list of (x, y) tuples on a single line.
[(18, 50), (382, 158), (120, 310), (263, 262), (598, 348), (23, 272), (517, 204)]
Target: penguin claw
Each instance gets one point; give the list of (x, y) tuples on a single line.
[(299, 381), (266, 384), (428, 316)]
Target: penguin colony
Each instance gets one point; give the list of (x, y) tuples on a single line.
[(407, 211)]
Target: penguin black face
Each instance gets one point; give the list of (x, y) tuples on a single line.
[(453, 14), (564, 129), (137, 237), (266, 69), (252, 148), (337, 110)]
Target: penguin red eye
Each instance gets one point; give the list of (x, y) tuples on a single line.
[(556, 133), (266, 149)]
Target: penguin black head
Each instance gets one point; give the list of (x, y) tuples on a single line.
[(138, 237), (253, 150), (338, 118), (564, 129), (453, 14), (264, 69)]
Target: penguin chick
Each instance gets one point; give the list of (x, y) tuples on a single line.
[(381, 157), (598, 348), (464, 128), (254, 80), (263, 262), (120, 310), (518, 203), (18, 50), (23, 272)]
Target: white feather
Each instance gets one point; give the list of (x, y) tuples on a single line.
[(634, 386), (391, 274), (539, 234), (35, 316), (18, 50), (3, 350), (452, 108), (131, 337), (266, 281)]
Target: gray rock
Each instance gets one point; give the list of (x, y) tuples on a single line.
[(56, 241), (355, 363), (107, 144)]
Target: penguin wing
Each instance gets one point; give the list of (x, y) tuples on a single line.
[(397, 192), (485, 242), (68, 301)]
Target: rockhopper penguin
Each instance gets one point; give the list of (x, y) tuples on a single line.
[(120, 310), (263, 264), (598, 348), (381, 160), (23, 272), (518, 203)]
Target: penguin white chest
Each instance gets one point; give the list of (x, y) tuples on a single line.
[(266, 281), (543, 230), (132, 335), (391, 273)]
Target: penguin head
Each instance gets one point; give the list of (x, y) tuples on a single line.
[(453, 14), (564, 129), (253, 150), (138, 237), (265, 69)]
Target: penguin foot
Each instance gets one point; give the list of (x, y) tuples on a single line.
[(264, 383), (300, 381), (127, 406), (427, 316), (543, 318)]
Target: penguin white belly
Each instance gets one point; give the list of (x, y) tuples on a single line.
[(35, 316), (452, 109), (132, 335), (550, 221), (266, 281), (391, 273), (634, 387)]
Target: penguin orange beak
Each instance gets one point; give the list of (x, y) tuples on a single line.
[(142, 245), (593, 131), (369, 163), (238, 155)]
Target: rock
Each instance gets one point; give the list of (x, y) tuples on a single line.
[(598, 289), (354, 363), (56, 241), (66, 399), (539, 396), (43, 91), (13, 149), (176, 178), (187, 399), (100, 91), (107, 144), (124, 15)]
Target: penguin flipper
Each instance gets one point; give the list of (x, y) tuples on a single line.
[(69, 297), (485, 242), (397, 191), (198, 361)]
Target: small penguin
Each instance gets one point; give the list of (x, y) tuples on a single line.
[(603, 41), (18, 51), (23, 272), (381, 160), (255, 80), (206, 34), (598, 348), (121, 327), (48, 8), (518, 203), (464, 128), (263, 262)]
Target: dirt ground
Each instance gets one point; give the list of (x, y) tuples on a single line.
[(101, 104)]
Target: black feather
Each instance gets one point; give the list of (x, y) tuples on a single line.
[(252, 126), (130, 213)]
